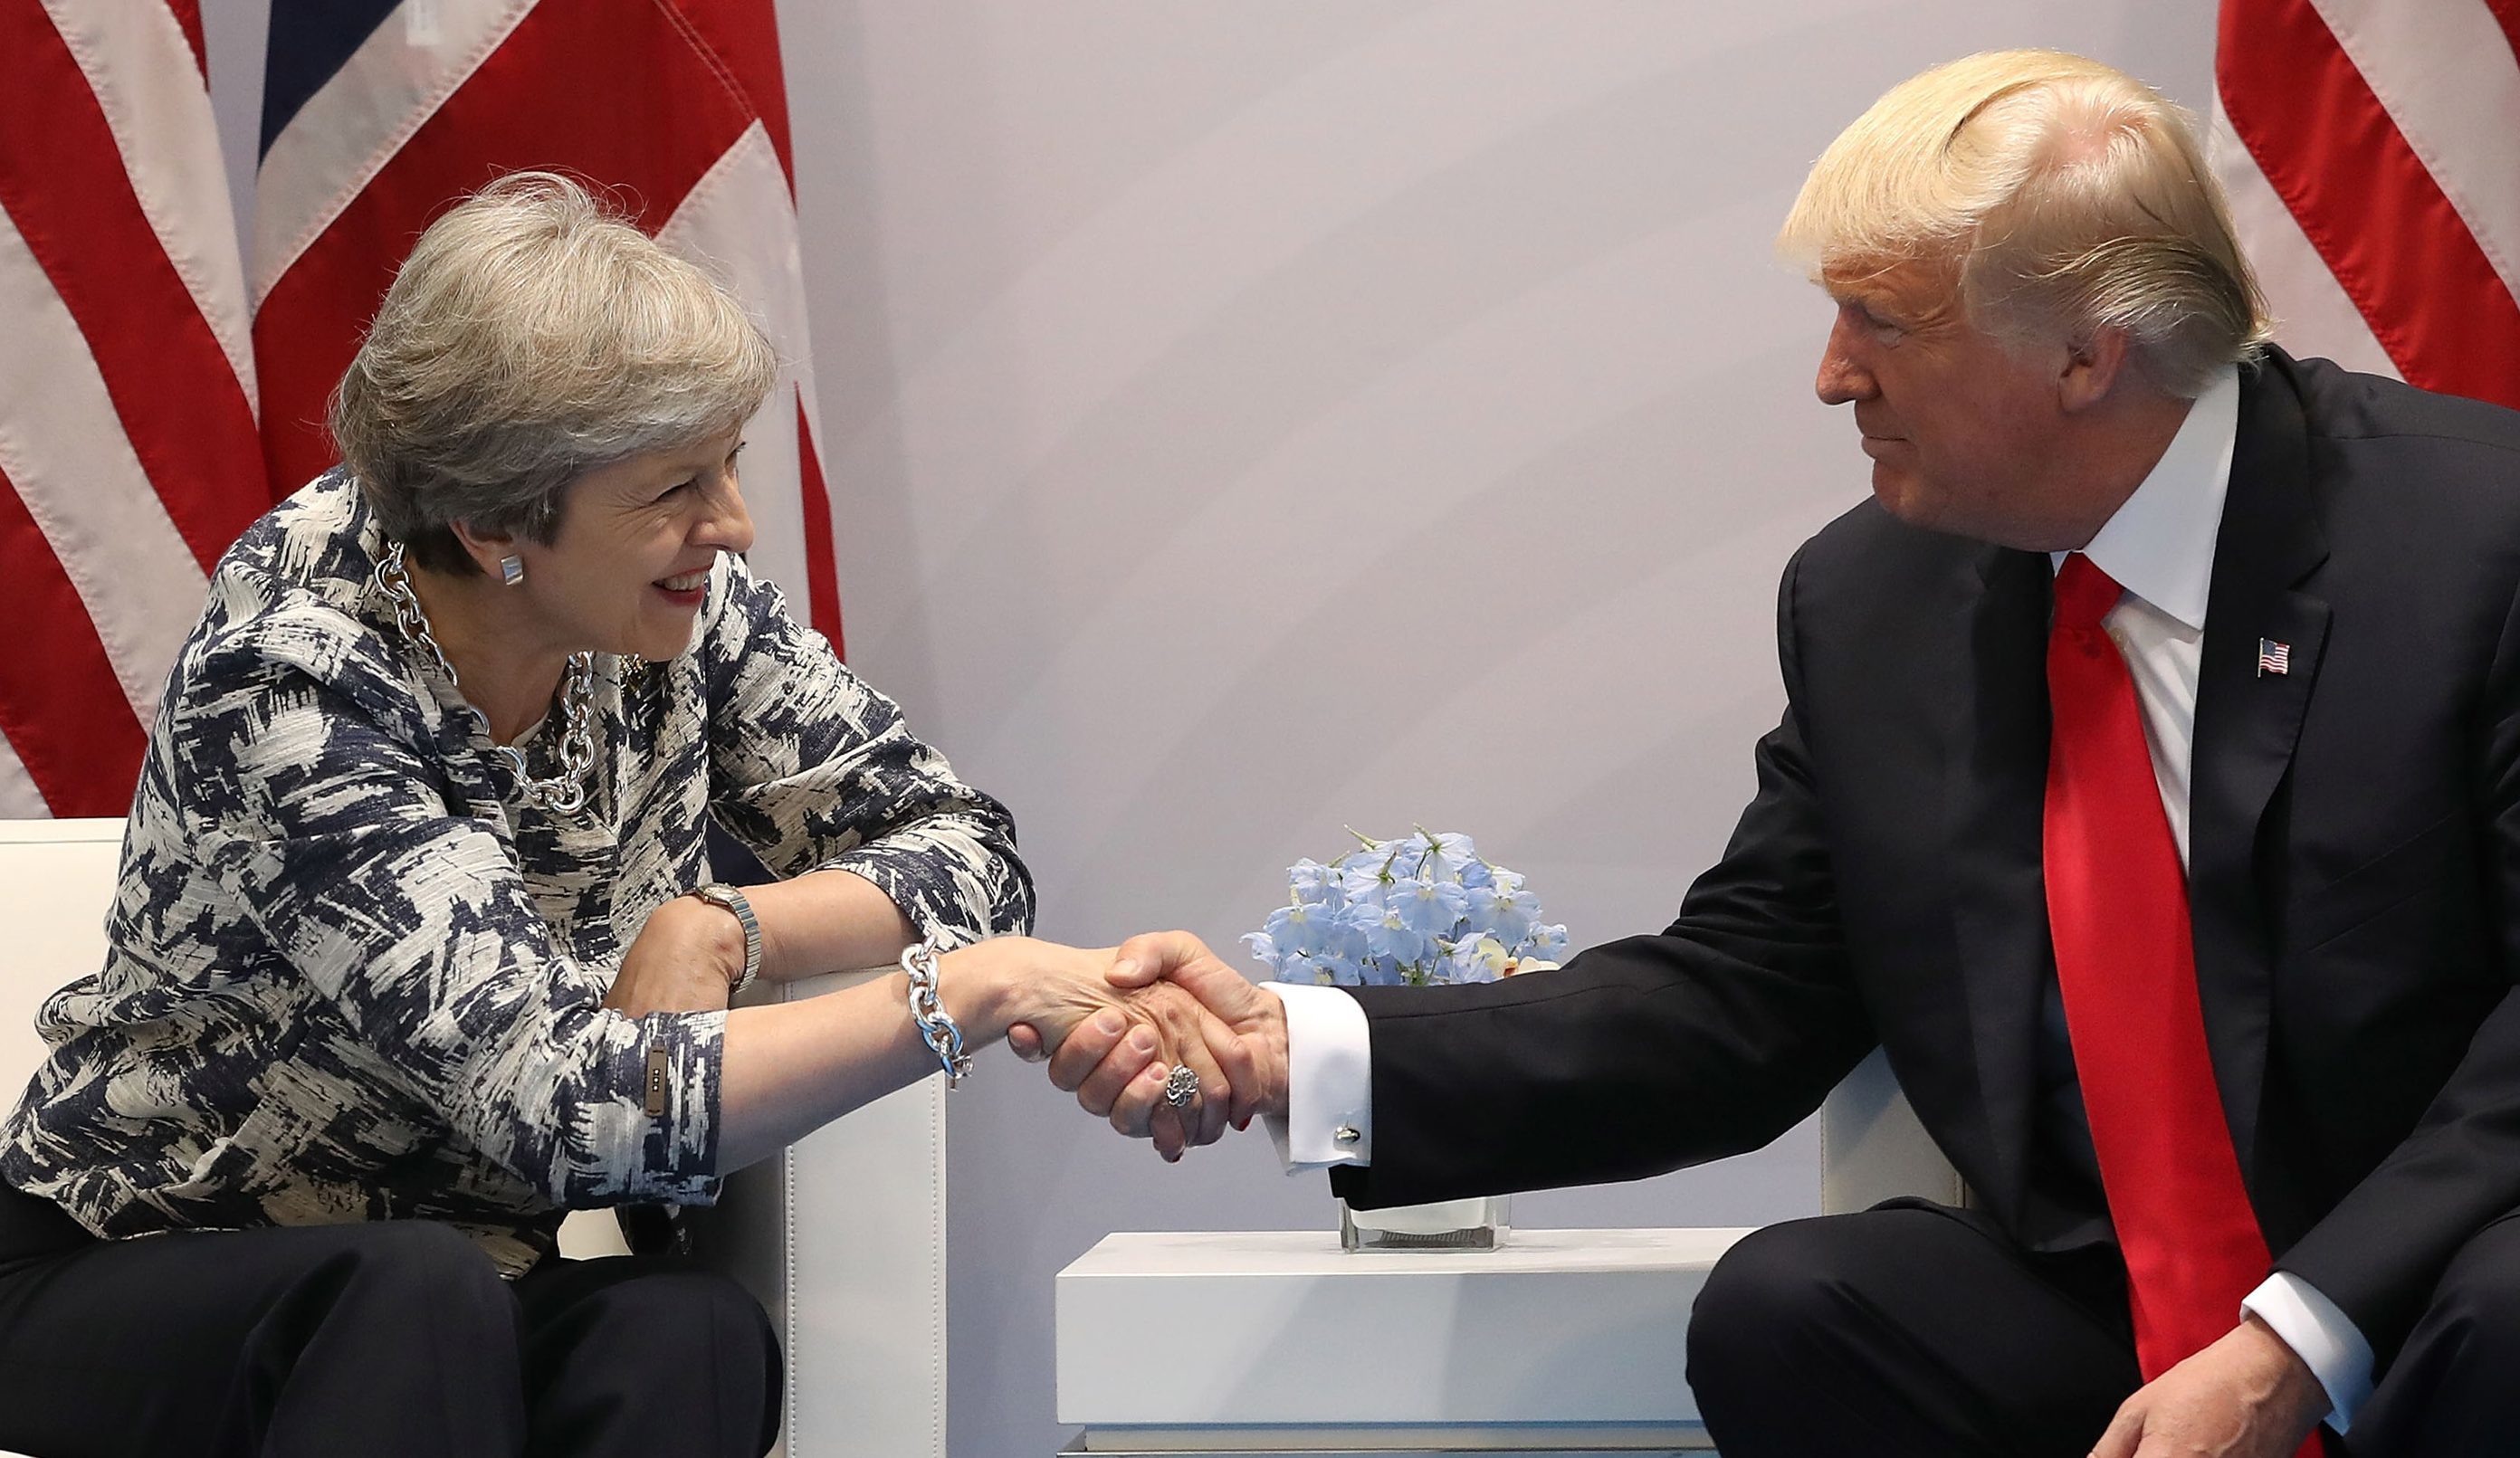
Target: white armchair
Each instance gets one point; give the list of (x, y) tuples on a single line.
[(842, 1239), (1873, 1148)]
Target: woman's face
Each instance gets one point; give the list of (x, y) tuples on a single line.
[(629, 566)]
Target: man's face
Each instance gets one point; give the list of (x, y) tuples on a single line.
[(1961, 430)]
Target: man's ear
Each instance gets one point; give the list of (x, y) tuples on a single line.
[(2092, 364), (485, 549)]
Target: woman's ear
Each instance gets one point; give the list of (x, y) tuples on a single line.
[(487, 550)]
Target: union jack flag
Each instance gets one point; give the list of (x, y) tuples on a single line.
[(378, 113), (135, 341)]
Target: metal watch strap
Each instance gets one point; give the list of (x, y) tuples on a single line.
[(719, 893), (936, 1027)]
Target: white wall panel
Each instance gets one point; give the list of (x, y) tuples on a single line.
[(1262, 417)]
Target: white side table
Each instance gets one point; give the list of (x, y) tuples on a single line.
[(1564, 1343)]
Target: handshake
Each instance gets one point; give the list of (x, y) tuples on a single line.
[(1165, 1041)]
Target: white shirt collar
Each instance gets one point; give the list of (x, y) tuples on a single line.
[(2160, 544)]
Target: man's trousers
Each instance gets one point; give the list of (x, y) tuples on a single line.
[(1910, 1329)]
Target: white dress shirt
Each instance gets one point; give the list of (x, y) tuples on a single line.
[(2159, 547)]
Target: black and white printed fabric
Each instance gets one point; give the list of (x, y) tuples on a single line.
[(352, 978)]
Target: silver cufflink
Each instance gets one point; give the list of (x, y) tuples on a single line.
[(1345, 1133)]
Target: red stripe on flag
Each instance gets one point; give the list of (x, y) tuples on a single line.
[(2366, 201), (62, 708), (188, 17), (620, 95), (743, 36), (822, 575), (63, 183)]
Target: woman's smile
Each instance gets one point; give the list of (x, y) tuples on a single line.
[(686, 590)]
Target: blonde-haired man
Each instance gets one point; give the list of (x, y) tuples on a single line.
[(2150, 788)]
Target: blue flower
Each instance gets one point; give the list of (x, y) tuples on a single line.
[(1453, 852), (1426, 908), (1306, 967), (1504, 909), (1475, 959), (1388, 935), (1314, 884), (1366, 877), (1302, 929), (1431, 856), (1431, 908)]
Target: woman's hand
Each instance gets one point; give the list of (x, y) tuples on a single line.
[(1059, 988), (1105, 1076), (686, 959)]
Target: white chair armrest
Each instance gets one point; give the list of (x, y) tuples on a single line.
[(1873, 1148)]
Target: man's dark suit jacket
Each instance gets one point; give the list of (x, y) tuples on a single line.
[(2354, 874)]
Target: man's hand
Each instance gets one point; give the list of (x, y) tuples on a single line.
[(1118, 1076), (686, 959), (2245, 1396)]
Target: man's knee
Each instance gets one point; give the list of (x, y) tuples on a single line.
[(1770, 1297), (2448, 1390)]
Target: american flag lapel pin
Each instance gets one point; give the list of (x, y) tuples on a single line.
[(2274, 657)]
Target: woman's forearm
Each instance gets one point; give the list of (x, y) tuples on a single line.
[(826, 921), (794, 1067)]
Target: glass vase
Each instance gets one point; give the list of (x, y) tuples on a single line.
[(1481, 1223)]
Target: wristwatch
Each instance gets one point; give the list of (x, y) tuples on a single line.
[(719, 893)]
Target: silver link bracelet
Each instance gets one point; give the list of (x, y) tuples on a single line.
[(944, 1037)]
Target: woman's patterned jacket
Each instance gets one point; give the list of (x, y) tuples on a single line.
[(352, 978)]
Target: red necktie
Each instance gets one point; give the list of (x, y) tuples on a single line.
[(2125, 960)]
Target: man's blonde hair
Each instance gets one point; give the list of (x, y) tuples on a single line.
[(534, 335), (2068, 197)]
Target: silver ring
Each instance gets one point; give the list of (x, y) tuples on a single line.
[(1181, 1086)]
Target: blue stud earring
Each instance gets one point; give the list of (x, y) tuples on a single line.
[(512, 570)]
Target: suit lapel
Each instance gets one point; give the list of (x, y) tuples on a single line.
[(1995, 783), (2247, 723)]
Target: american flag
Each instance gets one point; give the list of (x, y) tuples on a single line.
[(377, 114), (128, 458), (130, 445), (2371, 150), (2274, 657)]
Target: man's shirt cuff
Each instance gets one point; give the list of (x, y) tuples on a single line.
[(2326, 1340), (1329, 1080)]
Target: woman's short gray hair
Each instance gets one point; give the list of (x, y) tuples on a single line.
[(2069, 195), (534, 335)]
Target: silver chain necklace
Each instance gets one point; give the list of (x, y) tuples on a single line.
[(566, 792)]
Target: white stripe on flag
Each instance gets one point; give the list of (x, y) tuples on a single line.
[(18, 798), (63, 444), (740, 222), (141, 67), (352, 126), (2445, 73), (2314, 315)]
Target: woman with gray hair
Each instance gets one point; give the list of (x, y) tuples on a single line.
[(417, 946)]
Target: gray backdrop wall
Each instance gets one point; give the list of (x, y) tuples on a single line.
[(1251, 417)]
